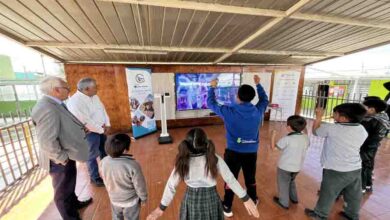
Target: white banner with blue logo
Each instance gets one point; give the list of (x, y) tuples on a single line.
[(139, 82)]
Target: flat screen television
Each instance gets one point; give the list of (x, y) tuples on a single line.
[(191, 89)]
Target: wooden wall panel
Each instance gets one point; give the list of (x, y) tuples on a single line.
[(112, 90)]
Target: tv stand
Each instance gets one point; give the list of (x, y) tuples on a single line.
[(192, 122)]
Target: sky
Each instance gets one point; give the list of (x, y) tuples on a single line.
[(25, 59), (372, 63)]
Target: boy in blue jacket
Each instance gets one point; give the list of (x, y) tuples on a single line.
[(242, 123)]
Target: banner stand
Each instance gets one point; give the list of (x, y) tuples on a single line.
[(139, 82)]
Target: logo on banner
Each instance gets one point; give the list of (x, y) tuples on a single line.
[(139, 78)]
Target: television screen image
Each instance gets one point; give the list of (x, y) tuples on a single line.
[(191, 89)]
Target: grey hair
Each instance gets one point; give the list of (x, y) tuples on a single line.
[(49, 83), (85, 83)]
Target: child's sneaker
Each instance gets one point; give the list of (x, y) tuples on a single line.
[(369, 189), (364, 191), (227, 211)]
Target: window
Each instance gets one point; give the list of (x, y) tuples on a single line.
[(7, 93)]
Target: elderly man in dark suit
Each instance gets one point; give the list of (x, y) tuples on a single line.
[(61, 139)]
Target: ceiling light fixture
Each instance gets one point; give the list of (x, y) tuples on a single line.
[(135, 51), (308, 56)]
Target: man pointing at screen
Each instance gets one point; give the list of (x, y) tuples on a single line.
[(242, 123)]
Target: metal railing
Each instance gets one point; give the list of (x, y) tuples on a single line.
[(311, 99), (18, 152), (14, 117)]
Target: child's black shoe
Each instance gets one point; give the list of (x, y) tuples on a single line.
[(227, 211)]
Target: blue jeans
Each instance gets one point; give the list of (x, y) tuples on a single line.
[(96, 146)]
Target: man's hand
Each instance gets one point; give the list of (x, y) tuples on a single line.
[(214, 83), (65, 162), (86, 130), (256, 78), (106, 129)]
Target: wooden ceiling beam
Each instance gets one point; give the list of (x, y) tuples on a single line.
[(272, 23), (175, 63), (125, 47), (200, 6)]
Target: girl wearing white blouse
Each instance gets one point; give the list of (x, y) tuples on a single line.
[(198, 166)]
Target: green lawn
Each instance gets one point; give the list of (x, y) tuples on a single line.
[(10, 106)]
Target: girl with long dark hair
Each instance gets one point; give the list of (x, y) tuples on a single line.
[(198, 166)]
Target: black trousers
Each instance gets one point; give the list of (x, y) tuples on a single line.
[(64, 184), (368, 162), (102, 151), (236, 161)]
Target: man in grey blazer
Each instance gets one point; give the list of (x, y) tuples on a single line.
[(61, 139)]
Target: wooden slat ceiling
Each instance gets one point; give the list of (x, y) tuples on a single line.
[(196, 31)]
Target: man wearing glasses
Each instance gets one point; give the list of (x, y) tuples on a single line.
[(61, 138)]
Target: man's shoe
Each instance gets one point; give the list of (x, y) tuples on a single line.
[(276, 200), (293, 201), (313, 215), (83, 204), (227, 211), (344, 215), (98, 182)]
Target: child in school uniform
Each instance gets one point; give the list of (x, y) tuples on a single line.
[(340, 160), (125, 182), (293, 147), (198, 166), (377, 126)]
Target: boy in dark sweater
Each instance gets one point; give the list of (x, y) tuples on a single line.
[(242, 122), (377, 125)]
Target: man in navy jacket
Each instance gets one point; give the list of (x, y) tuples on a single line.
[(242, 123)]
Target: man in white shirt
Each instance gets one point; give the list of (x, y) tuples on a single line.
[(88, 108)]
